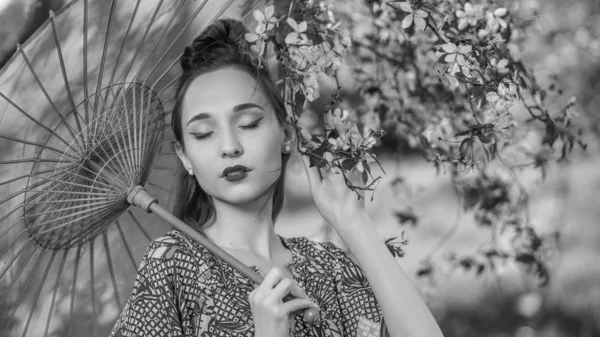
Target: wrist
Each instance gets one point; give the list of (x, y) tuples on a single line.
[(352, 223)]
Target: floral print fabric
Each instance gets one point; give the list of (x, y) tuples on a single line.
[(184, 290)]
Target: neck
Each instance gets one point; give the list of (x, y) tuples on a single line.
[(246, 227)]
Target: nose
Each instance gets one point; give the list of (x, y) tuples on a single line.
[(230, 145)]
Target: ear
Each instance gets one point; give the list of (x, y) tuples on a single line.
[(289, 134), (181, 154)]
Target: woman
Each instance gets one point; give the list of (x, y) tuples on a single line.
[(233, 141)]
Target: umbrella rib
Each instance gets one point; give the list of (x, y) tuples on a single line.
[(41, 86), (12, 243), (77, 256), (168, 49), (89, 212), (150, 23), (111, 269), (85, 58), (36, 297), (14, 310), (25, 176), (37, 122), (130, 167), (125, 163), (9, 264), (64, 70), (138, 224), (44, 146), (93, 287), (131, 154), (80, 185), (114, 72), (133, 15), (106, 202), (21, 191), (164, 32), (126, 244), (58, 275), (103, 58)]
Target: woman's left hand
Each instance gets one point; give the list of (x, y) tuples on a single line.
[(336, 202)]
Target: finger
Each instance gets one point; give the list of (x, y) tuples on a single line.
[(298, 304), (269, 282), (314, 176), (281, 289)]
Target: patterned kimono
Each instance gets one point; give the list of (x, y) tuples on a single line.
[(184, 290)]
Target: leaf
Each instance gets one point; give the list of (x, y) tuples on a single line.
[(424, 271), (348, 164), (365, 177), (299, 100), (525, 258), (407, 217), (407, 22)]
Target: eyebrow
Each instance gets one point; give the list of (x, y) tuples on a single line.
[(237, 108)]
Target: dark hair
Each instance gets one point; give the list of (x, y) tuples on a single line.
[(220, 45)]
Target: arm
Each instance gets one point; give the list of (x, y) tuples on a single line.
[(404, 311)]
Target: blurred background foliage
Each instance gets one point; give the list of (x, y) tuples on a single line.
[(415, 202)]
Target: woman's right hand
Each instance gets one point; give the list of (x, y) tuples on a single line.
[(269, 311)]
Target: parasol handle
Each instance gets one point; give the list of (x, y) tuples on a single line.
[(140, 198)]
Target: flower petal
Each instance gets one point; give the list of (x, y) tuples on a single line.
[(269, 11), (291, 38), (460, 59), (500, 12), (258, 15), (302, 26), (408, 20), (405, 6), (422, 13), (449, 47), (251, 37), (420, 23), (465, 48), (450, 57), (292, 24)]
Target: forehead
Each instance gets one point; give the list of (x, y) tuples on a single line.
[(221, 90)]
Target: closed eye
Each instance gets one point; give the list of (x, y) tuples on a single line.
[(252, 125)]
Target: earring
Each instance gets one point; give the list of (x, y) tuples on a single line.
[(287, 149), (189, 169)]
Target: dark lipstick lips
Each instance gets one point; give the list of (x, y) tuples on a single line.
[(235, 168)]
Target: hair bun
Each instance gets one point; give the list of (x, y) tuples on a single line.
[(223, 38)]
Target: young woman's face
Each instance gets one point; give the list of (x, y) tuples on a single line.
[(228, 121)]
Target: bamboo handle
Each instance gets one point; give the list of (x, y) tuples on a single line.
[(139, 197)]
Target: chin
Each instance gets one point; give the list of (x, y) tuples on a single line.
[(243, 194)]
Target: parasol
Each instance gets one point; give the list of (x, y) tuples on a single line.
[(84, 133)]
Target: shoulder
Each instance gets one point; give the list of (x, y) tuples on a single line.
[(177, 251), (324, 253)]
